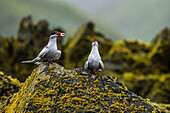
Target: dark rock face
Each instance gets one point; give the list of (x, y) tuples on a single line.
[(51, 88)]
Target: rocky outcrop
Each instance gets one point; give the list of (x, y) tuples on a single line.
[(160, 55), (154, 87), (51, 88), (164, 108), (128, 56), (143, 60), (8, 86)]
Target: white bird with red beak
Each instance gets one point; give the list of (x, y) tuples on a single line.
[(49, 52), (94, 62)]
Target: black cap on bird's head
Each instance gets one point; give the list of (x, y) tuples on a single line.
[(55, 33)]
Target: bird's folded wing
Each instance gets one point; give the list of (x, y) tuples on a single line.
[(86, 65), (101, 64), (43, 52)]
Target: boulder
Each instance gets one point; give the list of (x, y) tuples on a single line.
[(52, 88), (154, 87), (8, 86)]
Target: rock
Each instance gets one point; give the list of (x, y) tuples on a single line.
[(8, 86), (128, 56), (51, 88), (163, 36), (25, 29), (159, 54), (122, 57), (164, 108), (154, 87)]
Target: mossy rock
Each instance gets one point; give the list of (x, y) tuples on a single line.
[(8, 86), (155, 87), (51, 88), (164, 108), (159, 54), (128, 56), (163, 36)]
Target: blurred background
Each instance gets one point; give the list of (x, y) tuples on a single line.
[(135, 19), (133, 36)]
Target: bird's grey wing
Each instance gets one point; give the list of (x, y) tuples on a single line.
[(101, 65), (86, 65), (90, 58), (59, 54), (43, 52)]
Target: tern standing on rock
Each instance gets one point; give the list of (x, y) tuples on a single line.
[(94, 62), (49, 52)]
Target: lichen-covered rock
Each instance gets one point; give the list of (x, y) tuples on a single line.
[(160, 55), (154, 87), (51, 88), (125, 56), (128, 56), (164, 108), (8, 86), (163, 36)]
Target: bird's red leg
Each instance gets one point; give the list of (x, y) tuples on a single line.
[(45, 60), (95, 72)]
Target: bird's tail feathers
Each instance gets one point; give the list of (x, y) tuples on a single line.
[(29, 61), (32, 61)]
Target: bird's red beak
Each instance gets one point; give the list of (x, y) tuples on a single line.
[(58, 33), (61, 34), (95, 39)]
